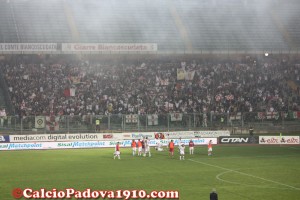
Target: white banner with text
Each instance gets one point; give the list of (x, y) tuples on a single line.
[(28, 47), (98, 47)]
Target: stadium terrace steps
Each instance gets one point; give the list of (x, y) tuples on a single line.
[(233, 26), (137, 22), (290, 19), (8, 32), (40, 21)]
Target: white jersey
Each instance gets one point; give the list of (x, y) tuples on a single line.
[(179, 143), (181, 149), (158, 143), (146, 143)]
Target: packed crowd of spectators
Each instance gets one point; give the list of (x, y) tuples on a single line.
[(86, 87)]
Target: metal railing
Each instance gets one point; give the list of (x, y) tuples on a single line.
[(237, 124)]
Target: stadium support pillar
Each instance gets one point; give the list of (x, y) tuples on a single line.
[(146, 123), (108, 121), (21, 125), (168, 119), (282, 28), (68, 123), (71, 21), (138, 123), (180, 27)]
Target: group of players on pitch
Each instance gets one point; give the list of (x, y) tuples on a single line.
[(142, 148)]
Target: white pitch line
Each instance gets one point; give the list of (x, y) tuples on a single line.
[(257, 186), (216, 166), (294, 148), (265, 156)]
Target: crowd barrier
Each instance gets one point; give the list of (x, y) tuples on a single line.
[(236, 123)]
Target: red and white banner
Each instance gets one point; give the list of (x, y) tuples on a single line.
[(152, 120), (70, 92), (52, 123), (97, 47), (176, 117), (272, 115), (131, 119), (278, 139), (229, 97), (28, 47)]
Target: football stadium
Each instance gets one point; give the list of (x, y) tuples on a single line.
[(150, 99)]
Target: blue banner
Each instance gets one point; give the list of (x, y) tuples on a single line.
[(4, 138)]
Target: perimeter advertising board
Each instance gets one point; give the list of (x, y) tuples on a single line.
[(114, 136), (279, 140), (4, 138), (238, 140), (92, 144)]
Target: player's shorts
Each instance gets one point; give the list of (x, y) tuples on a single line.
[(171, 149), (181, 152), (140, 149), (117, 152), (209, 149), (147, 149), (133, 148), (191, 148)]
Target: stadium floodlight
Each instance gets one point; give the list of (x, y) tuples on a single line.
[(266, 54)]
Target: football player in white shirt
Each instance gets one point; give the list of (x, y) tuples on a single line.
[(147, 147), (159, 145), (179, 142), (181, 151)]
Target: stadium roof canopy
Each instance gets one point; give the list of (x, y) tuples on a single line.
[(177, 25)]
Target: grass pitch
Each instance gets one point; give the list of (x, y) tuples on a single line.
[(237, 172)]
